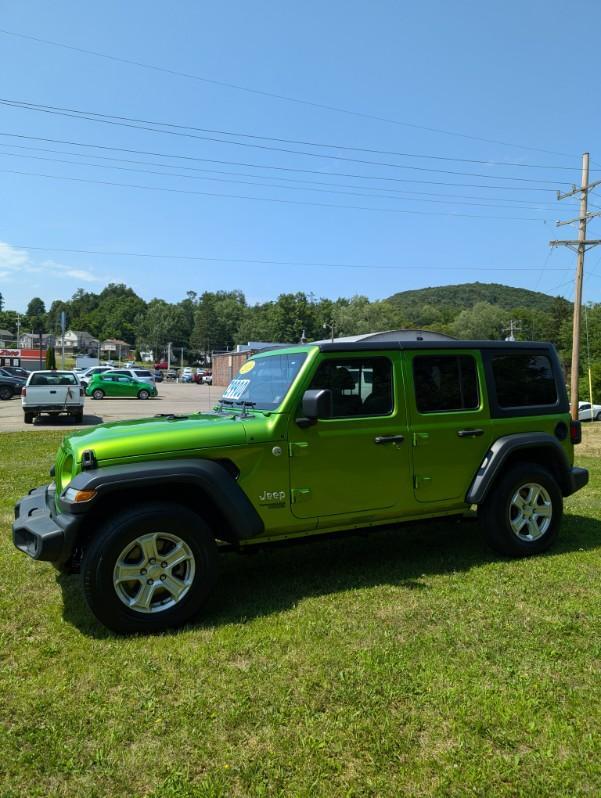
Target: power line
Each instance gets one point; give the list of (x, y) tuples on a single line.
[(273, 95), (270, 199), (237, 134), (271, 185), (248, 165), (213, 139), (203, 258), (405, 194)]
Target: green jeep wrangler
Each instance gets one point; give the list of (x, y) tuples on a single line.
[(307, 440)]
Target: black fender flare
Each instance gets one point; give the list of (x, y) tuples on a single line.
[(507, 445), (206, 476)]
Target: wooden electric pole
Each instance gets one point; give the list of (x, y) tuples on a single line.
[(580, 246)]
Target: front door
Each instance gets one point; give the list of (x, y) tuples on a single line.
[(450, 421), (358, 462)]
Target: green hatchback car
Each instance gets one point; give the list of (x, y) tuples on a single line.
[(305, 441), (108, 384)]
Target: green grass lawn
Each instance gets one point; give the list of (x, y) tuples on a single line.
[(411, 663)]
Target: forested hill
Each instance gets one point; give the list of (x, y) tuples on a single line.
[(451, 299)]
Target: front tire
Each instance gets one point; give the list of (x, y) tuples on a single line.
[(150, 568), (143, 394), (98, 394), (5, 393), (522, 514)]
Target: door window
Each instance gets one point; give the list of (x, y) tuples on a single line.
[(359, 387), (445, 383)]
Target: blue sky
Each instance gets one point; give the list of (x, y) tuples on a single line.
[(513, 72)]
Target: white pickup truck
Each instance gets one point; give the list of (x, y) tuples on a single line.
[(52, 392)]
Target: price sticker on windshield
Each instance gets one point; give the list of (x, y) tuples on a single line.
[(236, 389)]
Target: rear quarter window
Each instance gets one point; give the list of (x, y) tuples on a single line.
[(524, 379)]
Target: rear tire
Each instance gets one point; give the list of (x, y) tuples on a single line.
[(28, 419), (78, 418), (98, 394), (598, 417), (143, 394), (522, 514), (158, 596)]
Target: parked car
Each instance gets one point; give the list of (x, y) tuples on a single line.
[(15, 371), (87, 375), (326, 437), (112, 385), (186, 375), (4, 372), (162, 364), (171, 375), (136, 374), (130, 364), (208, 378), (158, 375), (10, 386), (54, 393), (588, 412)]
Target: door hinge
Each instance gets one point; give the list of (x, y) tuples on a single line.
[(421, 481), (300, 495), (298, 448)]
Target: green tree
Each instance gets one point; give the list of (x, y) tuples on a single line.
[(50, 358), (482, 322), (36, 307)]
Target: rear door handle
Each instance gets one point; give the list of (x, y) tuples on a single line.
[(389, 439), (470, 433)]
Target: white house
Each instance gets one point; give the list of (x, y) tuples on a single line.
[(77, 341)]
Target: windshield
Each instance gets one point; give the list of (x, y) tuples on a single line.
[(263, 383)]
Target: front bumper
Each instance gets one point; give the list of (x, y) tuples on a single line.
[(39, 531)]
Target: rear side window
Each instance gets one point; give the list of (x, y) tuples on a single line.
[(445, 383), (524, 380)]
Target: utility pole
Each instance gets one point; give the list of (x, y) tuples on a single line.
[(580, 246), (514, 327)]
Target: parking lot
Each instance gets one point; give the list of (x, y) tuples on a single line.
[(173, 398)]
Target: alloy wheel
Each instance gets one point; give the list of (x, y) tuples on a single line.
[(530, 512), (154, 572)]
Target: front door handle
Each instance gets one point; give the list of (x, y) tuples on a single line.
[(470, 433), (389, 438)]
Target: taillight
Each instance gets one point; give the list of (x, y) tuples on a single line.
[(575, 432), (23, 391)]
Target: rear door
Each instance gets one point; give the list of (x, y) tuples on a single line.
[(449, 419)]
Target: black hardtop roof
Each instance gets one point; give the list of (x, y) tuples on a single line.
[(362, 346)]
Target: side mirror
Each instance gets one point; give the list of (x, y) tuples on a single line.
[(317, 403)]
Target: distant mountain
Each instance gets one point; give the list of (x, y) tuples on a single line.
[(455, 298)]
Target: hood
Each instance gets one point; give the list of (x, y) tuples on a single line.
[(161, 435)]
